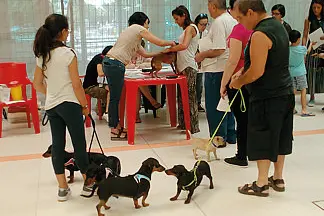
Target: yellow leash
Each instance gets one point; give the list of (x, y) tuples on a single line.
[(194, 181), (243, 109)]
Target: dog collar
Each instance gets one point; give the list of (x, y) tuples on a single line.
[(138, 178)]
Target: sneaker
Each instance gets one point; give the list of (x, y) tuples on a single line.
[(237, 162), (63, 194), (87, 190), (311, 103), (200, 108), (105, 117)]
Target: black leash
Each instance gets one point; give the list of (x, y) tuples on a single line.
[(94, 133), (45, 120)]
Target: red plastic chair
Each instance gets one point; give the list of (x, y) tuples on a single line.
[(14, 74)]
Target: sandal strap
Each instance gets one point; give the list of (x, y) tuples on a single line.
[(277, 181), (258, 189)]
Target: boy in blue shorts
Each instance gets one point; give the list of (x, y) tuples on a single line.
[(297, 68)]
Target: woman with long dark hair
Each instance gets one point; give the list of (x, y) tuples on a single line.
[(186, 65), (314, 65), (56, 65), (127, 46)]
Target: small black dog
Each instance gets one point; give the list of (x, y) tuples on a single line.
[(111, 162), (132, 186), (189, 180)]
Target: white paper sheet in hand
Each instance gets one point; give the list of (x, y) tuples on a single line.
[(223, 104), (316, 37)]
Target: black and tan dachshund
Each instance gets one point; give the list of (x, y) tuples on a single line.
[(110, 162), (189, 180), (133, 186)]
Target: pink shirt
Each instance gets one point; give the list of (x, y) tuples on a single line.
[(240, 33)]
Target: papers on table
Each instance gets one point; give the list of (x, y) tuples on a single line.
[(316, 37)]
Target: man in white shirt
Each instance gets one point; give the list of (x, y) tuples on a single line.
[(213, 55)]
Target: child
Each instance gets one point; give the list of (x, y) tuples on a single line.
[(297, 68), (56, 64)]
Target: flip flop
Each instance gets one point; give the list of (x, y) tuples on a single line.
[(121, 136), (307, 115)]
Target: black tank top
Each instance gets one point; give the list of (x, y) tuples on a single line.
[(276, 80)]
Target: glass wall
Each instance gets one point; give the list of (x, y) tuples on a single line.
[(95, 24)]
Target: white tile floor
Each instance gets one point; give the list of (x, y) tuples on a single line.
[(28, 185)]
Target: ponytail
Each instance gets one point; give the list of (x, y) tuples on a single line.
[(46, 37)]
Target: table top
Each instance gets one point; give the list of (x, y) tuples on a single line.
[(138, 74)]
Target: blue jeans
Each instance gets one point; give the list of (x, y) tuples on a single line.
[(212, 97), (114, 71)]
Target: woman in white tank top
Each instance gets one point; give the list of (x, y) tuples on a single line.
[(186, 65)]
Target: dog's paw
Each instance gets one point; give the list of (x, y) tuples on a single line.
[(187, 201), (145, 204), (70, 181), (138, 207), (173, 198), (106, 207)]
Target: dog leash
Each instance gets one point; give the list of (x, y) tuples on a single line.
[(194, 181), (243, 109), (94, 133)]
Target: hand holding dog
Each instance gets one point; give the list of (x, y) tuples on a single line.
[(199, 57)]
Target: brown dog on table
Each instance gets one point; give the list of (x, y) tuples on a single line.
[(166, 58)]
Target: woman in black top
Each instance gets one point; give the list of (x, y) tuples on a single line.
[(279, 12), (267, 78), (314, 21)]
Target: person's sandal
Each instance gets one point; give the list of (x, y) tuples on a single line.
[(254, 190), (157, 106), (121, 136), (274, 184)]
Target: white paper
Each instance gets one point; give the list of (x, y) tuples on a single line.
[(223, 104), (316, 37)]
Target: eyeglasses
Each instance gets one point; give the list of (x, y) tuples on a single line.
[(203, 15)]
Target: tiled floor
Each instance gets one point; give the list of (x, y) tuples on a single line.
[(29, 188)]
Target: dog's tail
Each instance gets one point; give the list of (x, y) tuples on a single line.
[(92, 192)]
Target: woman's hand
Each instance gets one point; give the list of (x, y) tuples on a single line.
[(223, 91), (166, 50), (199, 57), (85, 111), (235, 83)]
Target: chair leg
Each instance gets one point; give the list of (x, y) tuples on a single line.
[(28, 116), (35, 116), (154, 113)]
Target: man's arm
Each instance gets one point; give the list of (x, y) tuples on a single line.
[(260, 45)]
